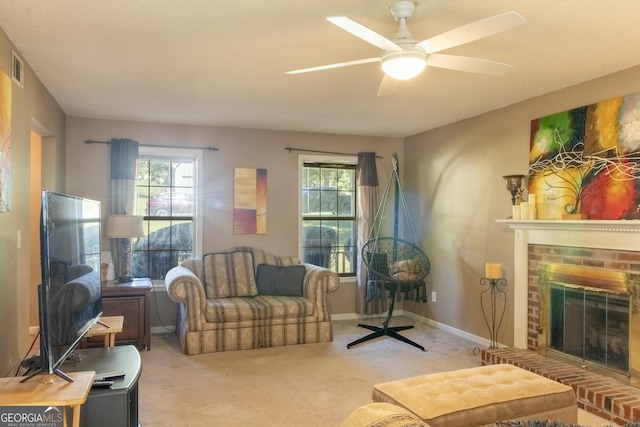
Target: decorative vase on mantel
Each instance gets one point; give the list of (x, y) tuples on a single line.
[(574, 213)]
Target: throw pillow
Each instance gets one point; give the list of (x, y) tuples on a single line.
[(229, 274), (377, 261), (408, 269), (279, 280)]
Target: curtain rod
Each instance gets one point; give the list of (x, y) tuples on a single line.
[(158, 146), (290, 149)]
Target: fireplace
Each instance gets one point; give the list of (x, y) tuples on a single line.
[(575, 293), (593, 247), (585, 316)]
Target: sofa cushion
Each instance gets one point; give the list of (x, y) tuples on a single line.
[(283, 281), (278, 307), (258, 308), (229, 274), (234, 309)]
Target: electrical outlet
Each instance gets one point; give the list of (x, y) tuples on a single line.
[(433, 296)]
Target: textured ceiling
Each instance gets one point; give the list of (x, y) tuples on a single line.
[(222, 62)]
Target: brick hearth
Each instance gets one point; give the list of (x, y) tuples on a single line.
[(598, 394)]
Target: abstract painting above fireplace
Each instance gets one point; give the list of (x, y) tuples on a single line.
[(585, 161)]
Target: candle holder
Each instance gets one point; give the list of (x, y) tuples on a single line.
[(514, 185), (493, 317)]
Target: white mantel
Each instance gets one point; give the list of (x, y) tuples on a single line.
[(615, 235)]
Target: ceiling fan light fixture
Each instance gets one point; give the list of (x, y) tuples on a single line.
[(403, 65)]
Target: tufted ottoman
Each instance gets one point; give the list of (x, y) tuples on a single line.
[(481, 396)]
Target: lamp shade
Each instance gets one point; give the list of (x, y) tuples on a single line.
[(403, 65), (123, 226)]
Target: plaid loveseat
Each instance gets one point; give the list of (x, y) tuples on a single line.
[(245, 298)]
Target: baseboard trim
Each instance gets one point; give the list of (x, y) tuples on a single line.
[(430, 322), (397, 313), (450, 329), (163, 329), (356, 316)]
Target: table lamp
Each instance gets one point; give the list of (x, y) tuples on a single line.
[(124, 227)]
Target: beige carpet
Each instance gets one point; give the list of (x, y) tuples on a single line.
[(302, 385)]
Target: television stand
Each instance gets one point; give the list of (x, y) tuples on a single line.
[(41, 371), (117, 405)]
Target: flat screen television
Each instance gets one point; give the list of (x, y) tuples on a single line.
[(70, 295)]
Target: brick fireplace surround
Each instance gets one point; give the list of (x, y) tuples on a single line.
[(613, 245)]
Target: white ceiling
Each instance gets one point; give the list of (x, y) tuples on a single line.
[(222, 62)]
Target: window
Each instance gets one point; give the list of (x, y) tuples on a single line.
[(166, 197), (328, 213)]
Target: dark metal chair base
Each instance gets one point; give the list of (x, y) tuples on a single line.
[(385, 329), (381, 331)]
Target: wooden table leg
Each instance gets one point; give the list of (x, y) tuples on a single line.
[(76, 415)]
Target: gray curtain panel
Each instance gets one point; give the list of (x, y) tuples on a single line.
[(124, 159), (368, 299)]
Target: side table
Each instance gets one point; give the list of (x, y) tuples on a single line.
[(48, 390), (133, 301), (108, 326)]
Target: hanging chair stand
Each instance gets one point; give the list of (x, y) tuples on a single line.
[(394, 265), (405, 275)]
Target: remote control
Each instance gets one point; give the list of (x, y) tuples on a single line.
[(102, 384), (110, 375)]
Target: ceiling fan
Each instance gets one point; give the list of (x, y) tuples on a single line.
[(404, 57)]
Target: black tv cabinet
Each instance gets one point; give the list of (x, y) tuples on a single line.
[(116, 406)]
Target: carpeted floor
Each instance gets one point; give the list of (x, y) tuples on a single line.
[(303, 385)]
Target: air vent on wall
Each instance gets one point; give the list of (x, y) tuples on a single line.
[(17, 69)]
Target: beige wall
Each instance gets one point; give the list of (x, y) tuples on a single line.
[(452, 178), (31, 108), (455, 172), (88, 174)]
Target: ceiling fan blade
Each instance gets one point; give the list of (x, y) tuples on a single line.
[(363, 32), (336, 65), (388, 85), (465, 63), (472, 31)]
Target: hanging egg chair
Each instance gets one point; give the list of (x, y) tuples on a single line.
[(394, 265)]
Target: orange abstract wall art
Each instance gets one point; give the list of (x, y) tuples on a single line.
[(587, 161), (5, 142), (250, 201)]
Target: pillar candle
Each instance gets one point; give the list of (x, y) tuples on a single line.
[(532, 211), (524, 210), (515, 209), (493, 270)]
